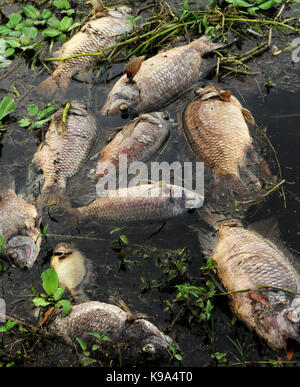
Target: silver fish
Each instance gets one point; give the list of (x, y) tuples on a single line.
[(132, 334), (103, 30), (19, 228), (253, 259), (63, 151), (151, 84), (147, 202), (138, 140)]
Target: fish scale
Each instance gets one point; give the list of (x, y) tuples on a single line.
[(160, 79), (65, 148), (96, 35), (149, 133), (133, 333), (247, 260)]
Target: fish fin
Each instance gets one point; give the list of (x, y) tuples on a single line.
[(206, 45), (227, 188), (253, 168), (132, 317), (133, 67), (207, 239), (53, 196), (213, 214), (8, 180), (206, 67), (85, 76), (248, 116), (52, 85), (225, 96)]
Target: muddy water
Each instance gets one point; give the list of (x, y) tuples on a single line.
[(276, 110)]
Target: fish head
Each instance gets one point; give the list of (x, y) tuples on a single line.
[(192, 199), (23, 250), (280, 325), (159, 346), (120, 12), (61, 252), (123, 98)]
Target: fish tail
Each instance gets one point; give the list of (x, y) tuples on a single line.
[(53, 196), (7, 182), (227, 188), (52, 85), (206, 45), (254, 170)]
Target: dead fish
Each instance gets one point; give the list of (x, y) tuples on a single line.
[(147, 202), (64, 150), (251, 258), (132, 334), (72, 267), (151, 84), (103, 30), (19, 228), (138, 140), (216, 129)]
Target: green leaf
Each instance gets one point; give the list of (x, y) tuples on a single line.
[(2, 328), (95, 334), (62, 38), (61, 4), (7, 106), (50, 32), (10, 324), (267, 5), (13, 42), (74, 25), (57, 295), (53, 22), (81, 343), (95, 346), (14, 19), (252, 11), (39, 124), (25, 41), (124, 239), (65, 304), (31, 11), (46, 14), (31, 32), (24, 122), (46, 110), (50, 281), (33, 109), (178, 357), (39, 301), (4, 30), (66, 23), (9, 52), (2, 241), (115, 230)]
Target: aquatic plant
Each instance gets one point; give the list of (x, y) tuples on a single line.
[(53, 296), (37, 117), (7, 106)]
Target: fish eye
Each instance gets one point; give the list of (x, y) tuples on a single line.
[(124, 108), (58, 253), (166, 116), (149, 348), (105, 171)]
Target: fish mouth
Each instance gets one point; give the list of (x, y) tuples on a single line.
[(23, 251), (192, 199)]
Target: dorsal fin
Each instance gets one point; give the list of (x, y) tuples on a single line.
[(133, 67), (248, 116), (225, 95)]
